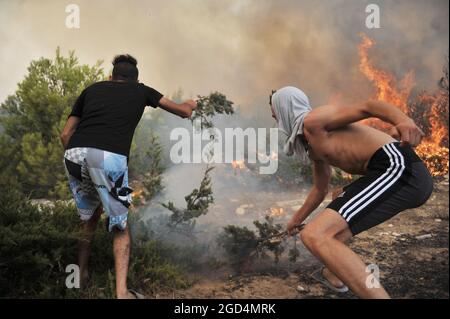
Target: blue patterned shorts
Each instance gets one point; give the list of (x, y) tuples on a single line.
[(99, 177)]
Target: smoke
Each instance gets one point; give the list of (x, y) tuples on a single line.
[(242, 48), (241, 195)]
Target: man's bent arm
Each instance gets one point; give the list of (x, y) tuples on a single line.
[(332, 117), (322, 176), (69, 129), (386, 112)]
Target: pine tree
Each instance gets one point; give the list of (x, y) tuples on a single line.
[(33, 118)]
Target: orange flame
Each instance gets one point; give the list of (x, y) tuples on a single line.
[(384, 82), (139, 193), (433, 149), (276, 212), (238, 164)]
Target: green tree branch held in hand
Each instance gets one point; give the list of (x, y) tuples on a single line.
[(209, 106)]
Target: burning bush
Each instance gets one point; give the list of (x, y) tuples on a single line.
[(434, 149), (430, 111)]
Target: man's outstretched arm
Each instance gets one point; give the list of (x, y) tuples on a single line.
[(332, 117), (183, 110)]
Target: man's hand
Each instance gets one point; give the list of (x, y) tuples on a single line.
[(407, 132), (192, 104), (183, 110), (291, 225)]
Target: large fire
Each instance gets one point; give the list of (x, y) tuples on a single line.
[(434, 147)]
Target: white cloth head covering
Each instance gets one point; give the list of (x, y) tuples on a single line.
[(291, 105)]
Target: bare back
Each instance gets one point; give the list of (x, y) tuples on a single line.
[(349, 148)]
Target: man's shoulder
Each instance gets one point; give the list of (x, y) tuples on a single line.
[(144, 86), (96, 85), (150, 91), (102, 85)]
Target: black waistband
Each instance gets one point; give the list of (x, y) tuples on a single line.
[(381, 156)]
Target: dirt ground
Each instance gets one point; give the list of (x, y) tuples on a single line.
[(411, 251)]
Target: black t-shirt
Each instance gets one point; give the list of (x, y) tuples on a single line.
[(110, 112)]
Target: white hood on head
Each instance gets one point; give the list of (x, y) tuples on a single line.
[(291, 105)]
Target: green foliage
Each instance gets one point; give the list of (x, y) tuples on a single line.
[(146, 162), (153, 178), (268, 230), (9, 155), (38, 242), (151, 271), (197, 203), (243, 245), (33, 119), (239, 243), (294, 253), (208, 106)]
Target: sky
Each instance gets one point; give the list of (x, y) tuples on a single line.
[(243, 48)]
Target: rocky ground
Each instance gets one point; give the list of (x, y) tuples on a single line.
[(411, 251)]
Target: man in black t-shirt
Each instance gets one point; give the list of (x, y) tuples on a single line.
[(97, 138)]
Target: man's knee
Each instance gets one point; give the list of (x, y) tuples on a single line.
[(313, 237)]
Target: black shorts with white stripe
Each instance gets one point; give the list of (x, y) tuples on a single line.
[(396, 180)]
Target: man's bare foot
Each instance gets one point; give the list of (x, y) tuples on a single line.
[(126, 295), (335, 281), (130, 294)]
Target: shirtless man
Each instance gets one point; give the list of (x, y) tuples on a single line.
[(393, 177)]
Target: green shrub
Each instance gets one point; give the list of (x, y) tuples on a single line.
[(38, 242)]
